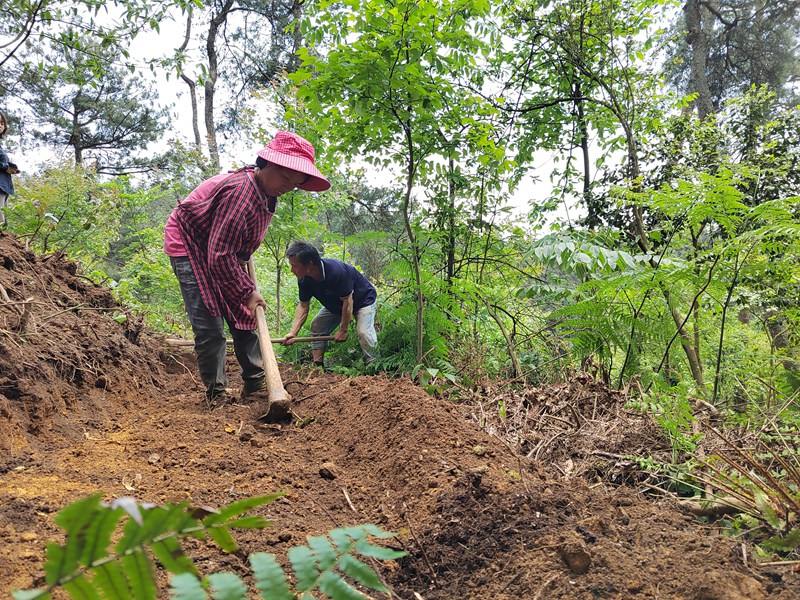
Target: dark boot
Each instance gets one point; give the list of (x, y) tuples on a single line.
[(251, 386)]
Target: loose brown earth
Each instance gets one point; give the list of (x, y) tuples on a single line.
[(541, 504)]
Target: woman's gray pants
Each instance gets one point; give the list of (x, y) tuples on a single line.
[(209, 336)]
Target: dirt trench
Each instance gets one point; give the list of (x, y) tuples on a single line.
[(91, 402)]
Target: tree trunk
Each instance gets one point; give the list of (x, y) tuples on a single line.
[(641, 234), (297, 36), (512, 352), (584, 141), (211, 81), (76, 139), (191, 83), (616, 105), (693, 12), (415, 262), (451, 224)]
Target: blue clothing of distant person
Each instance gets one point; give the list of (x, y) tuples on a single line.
[(344, 294), (7, 169)]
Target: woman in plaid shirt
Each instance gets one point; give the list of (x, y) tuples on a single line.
[(209, 238)]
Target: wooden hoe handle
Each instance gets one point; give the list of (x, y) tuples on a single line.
[(275, 388)]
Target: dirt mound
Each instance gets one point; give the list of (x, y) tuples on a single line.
[(66, 347), (489, 507)]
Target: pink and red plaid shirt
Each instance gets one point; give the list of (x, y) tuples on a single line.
[(220, 224)]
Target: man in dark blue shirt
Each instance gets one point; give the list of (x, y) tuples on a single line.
[(343, 292)]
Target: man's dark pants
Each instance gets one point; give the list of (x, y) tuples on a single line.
[(209, 336)]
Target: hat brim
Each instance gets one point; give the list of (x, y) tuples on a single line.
[(316, 181)]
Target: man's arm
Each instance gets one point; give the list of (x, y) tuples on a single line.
[(347, 315), (300, 316)]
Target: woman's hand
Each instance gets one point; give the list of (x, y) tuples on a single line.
[(254, 301)]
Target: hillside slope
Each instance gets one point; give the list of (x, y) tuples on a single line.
[(91, 401)]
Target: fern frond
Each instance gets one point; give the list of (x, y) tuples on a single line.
[(110, 578), (337, 588), (185, 586), (269, 577), (141, 573), (84, 568), (226, 586), (305, 567), (324, 562), (170, 554), (361, 572)]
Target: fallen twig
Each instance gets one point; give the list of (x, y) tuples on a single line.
[(24, 318), (544, 586), (349, 502), (421, 547)]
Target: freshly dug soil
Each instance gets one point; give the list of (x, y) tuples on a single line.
[(539, 504)]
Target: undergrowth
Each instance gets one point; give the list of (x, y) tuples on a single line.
[(745, 478), (86, 567), (761, 484)]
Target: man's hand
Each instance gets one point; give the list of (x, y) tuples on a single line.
[(288, 339), (255, 300), (347, 314)]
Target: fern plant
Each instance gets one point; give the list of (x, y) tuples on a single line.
[(761, 485), (85, 567)]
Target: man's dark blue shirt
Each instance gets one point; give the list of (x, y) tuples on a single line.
[(339, 280)]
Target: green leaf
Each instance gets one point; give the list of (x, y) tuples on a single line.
[(98, 535), (361, 532), (41, 594), (156, 521), (342, 539), (364, 548), (171, 556), (81, 588), (334, 586), (766, 509), (252, 522), (75, 519), (223, 538), (226, 586), (323, 550), (141, 575), (361, 572), (238, 508), (112, 581), (56, 566), (270, 579), (788, 543), (186, 586), (305, 567)]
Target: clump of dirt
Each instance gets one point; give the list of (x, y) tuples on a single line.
[(487, 507)]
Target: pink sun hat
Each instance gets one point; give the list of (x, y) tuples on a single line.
[(293, 152)]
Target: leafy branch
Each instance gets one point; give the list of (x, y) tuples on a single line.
[(85, 567)]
